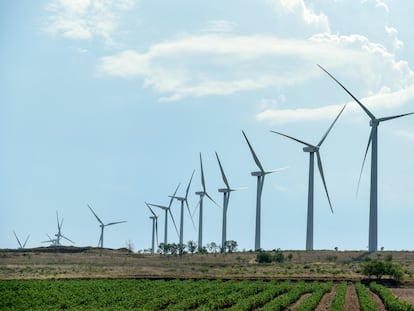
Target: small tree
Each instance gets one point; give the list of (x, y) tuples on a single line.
[(231, 246), (192, 246), (212, 247), (379, 268)]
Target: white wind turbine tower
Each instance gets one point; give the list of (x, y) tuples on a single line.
[(202, 193), (183, 201), (260, 181), (226, 198), (167, 209), (373, 141), (312, 149), (21, 246), (154, 218), (102, 225)]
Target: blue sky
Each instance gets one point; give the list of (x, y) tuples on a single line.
[(109, 102)]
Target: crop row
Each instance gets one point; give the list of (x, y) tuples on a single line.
[(183, 295)]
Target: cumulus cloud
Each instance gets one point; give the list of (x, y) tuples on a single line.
[(295, 17), (86, 19), (378, 104), (194, 66)]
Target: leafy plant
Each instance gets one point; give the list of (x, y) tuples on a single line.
[(391, 302)]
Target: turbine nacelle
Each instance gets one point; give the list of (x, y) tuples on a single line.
[(311, 149), (374, 122)]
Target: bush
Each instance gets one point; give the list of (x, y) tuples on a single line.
[(264, 257), (267, 257), (379, 268)]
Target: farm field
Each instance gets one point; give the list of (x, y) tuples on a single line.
[(195, 295), (89, 279)]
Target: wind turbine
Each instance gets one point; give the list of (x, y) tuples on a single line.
[(312, 149), (373, 141), (184, 200), (21, 246), (202, 193), (167, 210), (226, 197), (59, 235), (260, 181), (102, 225), (154, 218)]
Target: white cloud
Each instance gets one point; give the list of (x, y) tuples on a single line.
[(392, 32), (382, 4), (203, 65), (377, 104), (86, 19), (219, 26), (296, 16), (405, 134)]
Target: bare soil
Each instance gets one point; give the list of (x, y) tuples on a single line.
[(351, 300), (406, 294), (326, 300), (298, 302), (378, 302)]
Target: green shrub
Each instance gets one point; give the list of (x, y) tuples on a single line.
[(391, 302), (264, 257), (380, 268)]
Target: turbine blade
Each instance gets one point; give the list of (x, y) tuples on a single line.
[(18, 241), (256, 159), (330, 128), (189, 212), (57, 220), (150, 209), (115, 223), (27, 239), (323, 179), (293, 138), (159, 206), (277, 170), (363, 162), (195, 209), (395, 117), (100, 221), (222, 173), (189, 184), (67, 239), (211, 199), (203, 182), (359, 103), (239, 188), (175, 225), (173, 196)]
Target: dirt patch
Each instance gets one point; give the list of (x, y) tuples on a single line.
[(378, 302), (297, 303), (351, 299), (406, 294), (325, 303)]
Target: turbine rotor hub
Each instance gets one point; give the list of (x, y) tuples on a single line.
[(310, 149)]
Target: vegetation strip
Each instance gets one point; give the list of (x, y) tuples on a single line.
[(142, 294), (365, 301), (391, 302), (338, 302)]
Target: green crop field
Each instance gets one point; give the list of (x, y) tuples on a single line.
[(183, 295)]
